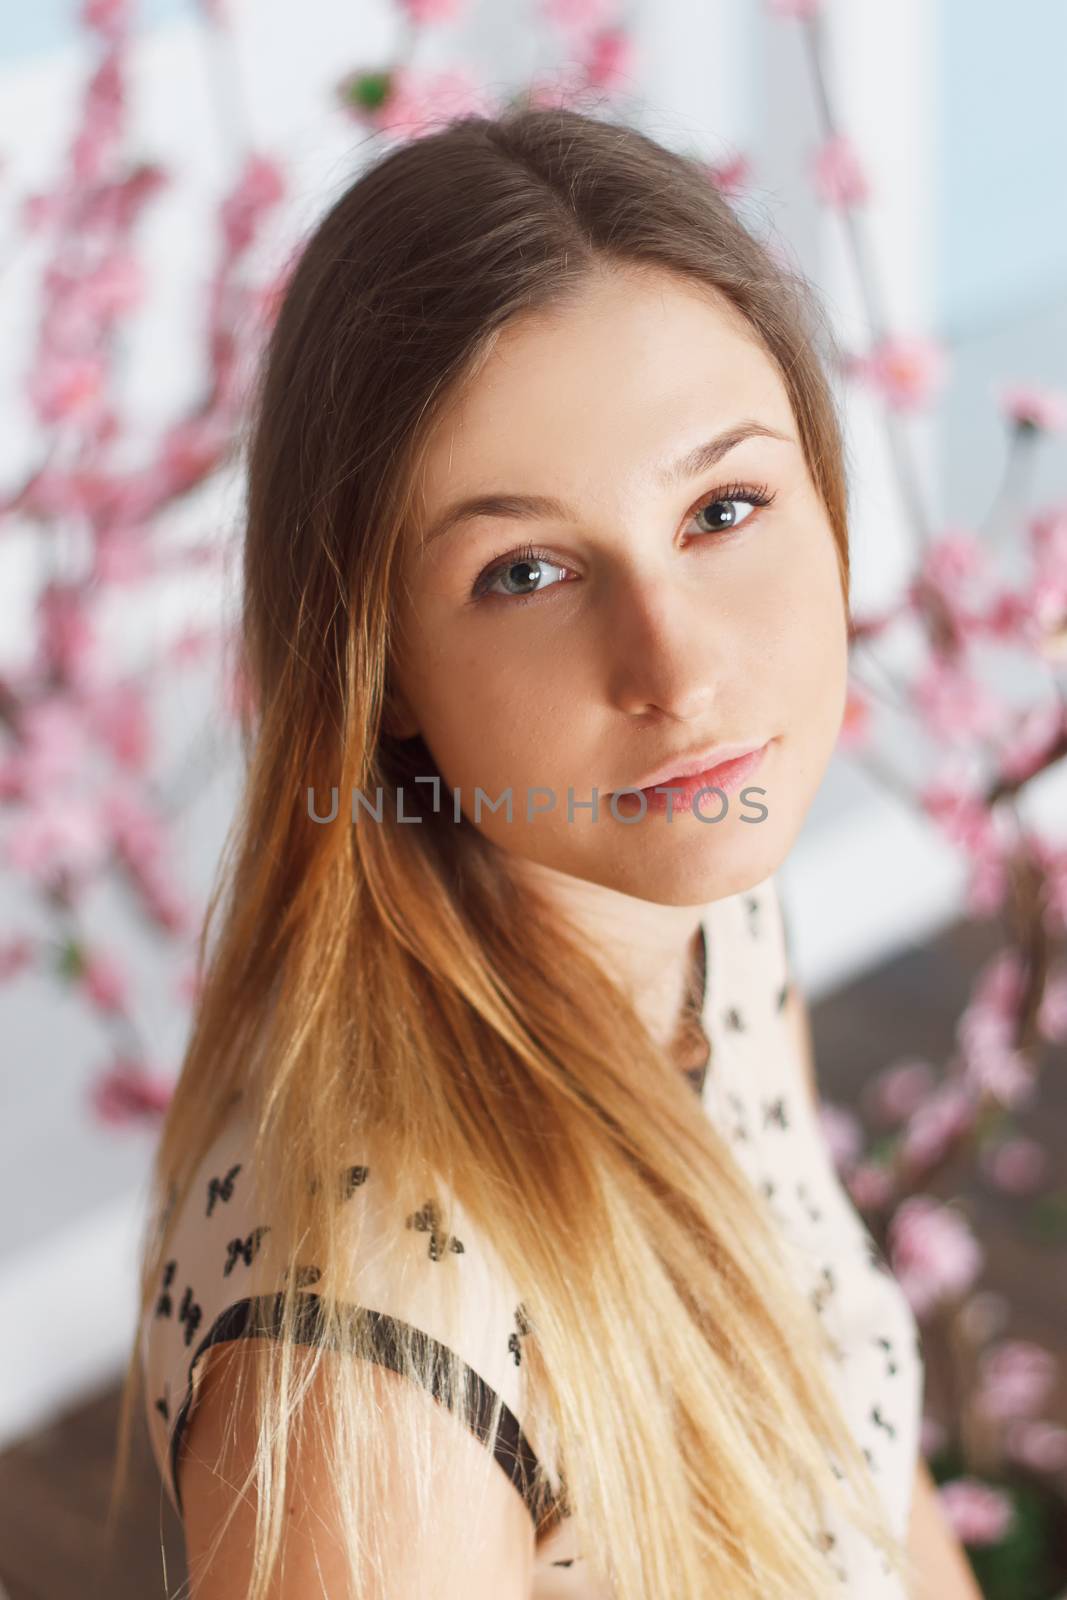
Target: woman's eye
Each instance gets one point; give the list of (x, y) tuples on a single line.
[(752, 495), (529, 565), (523, 574)]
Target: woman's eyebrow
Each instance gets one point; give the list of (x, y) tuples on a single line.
[(529, 507)]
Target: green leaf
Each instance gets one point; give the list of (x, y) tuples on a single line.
[(70, 960), (369, 90), (1047, 1217)]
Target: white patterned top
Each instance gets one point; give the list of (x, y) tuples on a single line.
[(753, 1089)]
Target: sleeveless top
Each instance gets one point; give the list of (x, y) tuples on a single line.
[(752, 1085)]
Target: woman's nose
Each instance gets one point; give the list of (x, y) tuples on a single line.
[(664, 651)]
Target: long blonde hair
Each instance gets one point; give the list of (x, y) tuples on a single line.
[(395, 982)]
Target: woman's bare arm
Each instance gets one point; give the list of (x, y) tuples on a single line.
[(476, 1543), (944, 1571)]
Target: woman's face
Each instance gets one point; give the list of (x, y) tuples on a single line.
[(658, 615)]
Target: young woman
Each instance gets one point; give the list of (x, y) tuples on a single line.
[(496, 1249)]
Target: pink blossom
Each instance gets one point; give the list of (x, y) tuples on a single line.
[(906, 370), (101, 125), (977, 1514), (425, 12), (1000, 983), (1015, 1378), (872, 624), (138, 833), (955, 563), (987, 885), (855, 730), (991, 1061), (1048, 537), (730, 176), (840, 180), (1052, 1012), (954, 704), (1018, 1166), (59, 838), (961, 814), (842, 1131), (1033, 735), (936, 1123), (899, 1090), (1048, 550), (66, 638), (1055, 865), (111, 18), (609, 58), (579, 16), (932, 1435), (259, 188), (114, 288), (126, 1093), (1035, 407), (986, 1029), (66, 387), (934, 1254), (104, 982), (39, 211), (120, 718), (168, 908), (53, 749), (189, 985), (418, 101), (15, 956), (238, 691), (1042, 1446), (1008, 618), (983, 1314), (122, 555), (869, 1184)]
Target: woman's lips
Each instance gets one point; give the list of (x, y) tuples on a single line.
[(727, 776)]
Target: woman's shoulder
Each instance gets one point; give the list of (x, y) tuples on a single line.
[(412, 1256)]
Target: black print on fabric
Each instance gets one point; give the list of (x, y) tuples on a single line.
[(768, 1188), (165, 1305), (221, 1188), (825, 1542), (354, 1177), (775, 1111), (887, 1346), (244, 1249), (737, 1105), (304, 1276), (428, 1220), (824, 1289), (752, 906), (879, 1421), (190, 1313), (734, 1020), (523, 1325), (783, 996), (813, 1211)]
